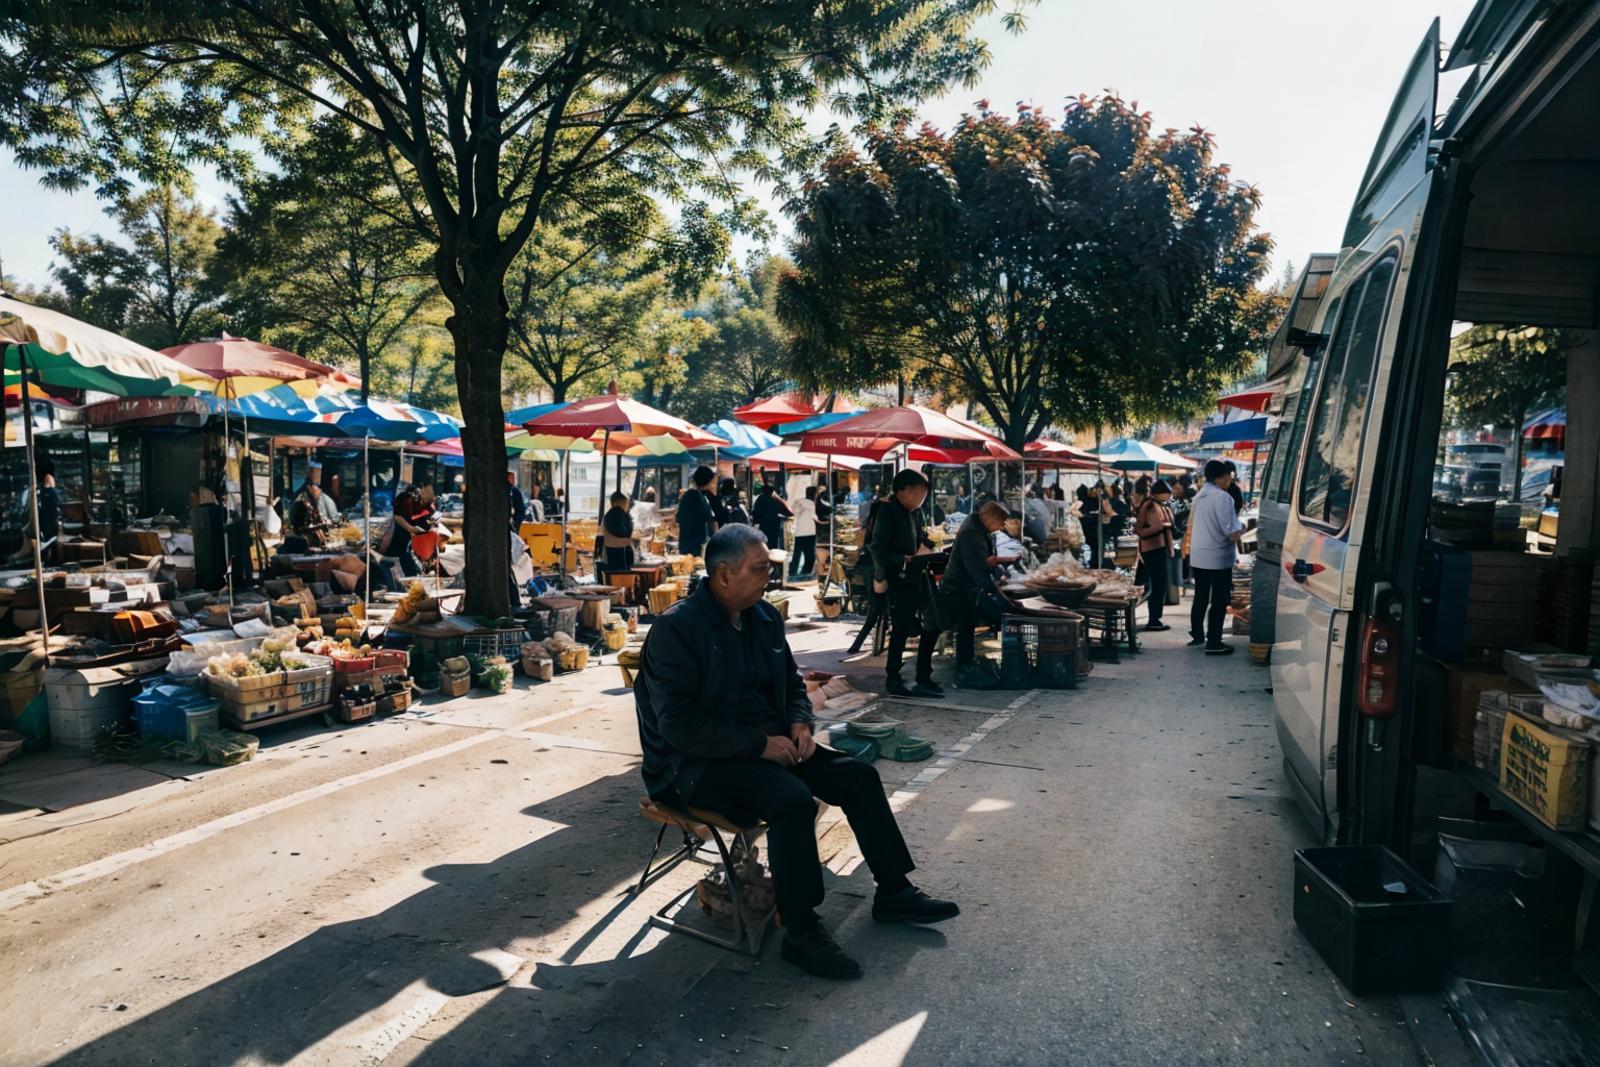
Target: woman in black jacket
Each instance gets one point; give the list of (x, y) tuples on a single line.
[(769, 513), (897, 538), (616, 532)]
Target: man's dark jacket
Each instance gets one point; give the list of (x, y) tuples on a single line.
[(967, 573), (693, 667), (896, 533)]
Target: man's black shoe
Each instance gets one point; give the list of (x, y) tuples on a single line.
[(1156, 627), (814, 952), (928, 688), (1196, 642), (897, 686), (912, 905), (1219, 650)]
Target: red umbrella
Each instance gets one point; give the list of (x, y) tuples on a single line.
[(243, 367), (610, 413), (876, 432), (773, 410), (1059, 455)]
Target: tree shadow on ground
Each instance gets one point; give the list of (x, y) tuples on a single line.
[(656, 1001)]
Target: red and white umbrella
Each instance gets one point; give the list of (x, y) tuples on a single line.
[(872, 434)]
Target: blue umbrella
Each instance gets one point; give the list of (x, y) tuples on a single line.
[(1125, 453), (523, 415), (743, 439), (816, 422)]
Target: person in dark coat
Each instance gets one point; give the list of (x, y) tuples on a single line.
[(897, 538), (732, 502), (877, 591), (769, 513), (725, 725), (517, 502), (696, 519), (969, 590), (616, 534)]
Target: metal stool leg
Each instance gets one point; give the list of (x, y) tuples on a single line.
[(747, 936)]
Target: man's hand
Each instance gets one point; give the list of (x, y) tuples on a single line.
[(781, 750), (800, 733)]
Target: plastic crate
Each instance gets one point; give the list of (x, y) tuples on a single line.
[(1375, 941), (175, 711), (1041, 653), (486, 644)]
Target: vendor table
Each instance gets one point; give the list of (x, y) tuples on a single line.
[(1114, 620)]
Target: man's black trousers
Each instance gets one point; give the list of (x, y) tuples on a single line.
[(745, 790), (1213, 590)]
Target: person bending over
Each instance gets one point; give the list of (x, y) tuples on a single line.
[(725, 724)]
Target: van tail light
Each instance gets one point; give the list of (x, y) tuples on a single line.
[(1378, 687)]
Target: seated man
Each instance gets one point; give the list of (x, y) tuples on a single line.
[(970, 592), (725, 724)]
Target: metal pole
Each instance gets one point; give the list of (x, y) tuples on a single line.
[(227, 549), (33, 502), (833, 522), (566, 509), (605, 448), (366, 525)]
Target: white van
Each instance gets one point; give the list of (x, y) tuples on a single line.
[(1487, 211)]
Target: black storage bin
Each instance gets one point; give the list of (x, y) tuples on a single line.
[(1040, 653), (1375, 941)]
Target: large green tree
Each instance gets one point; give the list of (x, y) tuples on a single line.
[(155, 284), (1085, 272), (1499, 375), (499, 114), (322, 255)]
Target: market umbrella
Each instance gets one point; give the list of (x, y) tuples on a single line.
[(242, 367), (871, 434), (45, 347), (613, 413), (740, 439), (1125, 453), (770, 411), (815, 422)]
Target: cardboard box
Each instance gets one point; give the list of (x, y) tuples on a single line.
[(1546, 770), (1464, 685)]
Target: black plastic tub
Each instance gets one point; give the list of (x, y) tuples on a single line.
[(1374, 940)]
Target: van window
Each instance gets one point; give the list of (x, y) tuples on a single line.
[(1333, 440), (1292, 430)]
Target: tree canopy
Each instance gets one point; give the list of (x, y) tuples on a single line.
[(1085, 272), (494, 116)]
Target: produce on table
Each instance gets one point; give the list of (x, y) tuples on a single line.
[(273, 656)]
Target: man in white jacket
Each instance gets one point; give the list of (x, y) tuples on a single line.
[(1214, 532)]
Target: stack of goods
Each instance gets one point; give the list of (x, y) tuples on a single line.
[(1493, 704), (455, 676), (1239, 604), (781, 602), (833, 692), (273, 679), (417, 606), (663, 596), (1546, 769), (567, 654), (494, 674), (537, 662), (1503, 599), (1565, 602), (357, 703), (1469, 525), (615, 632), (682, 565)]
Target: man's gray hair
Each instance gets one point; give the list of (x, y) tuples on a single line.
[(730, 545)]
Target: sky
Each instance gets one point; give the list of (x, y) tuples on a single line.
[(1294, 91)]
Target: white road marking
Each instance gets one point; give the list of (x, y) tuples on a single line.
[(109, 865)]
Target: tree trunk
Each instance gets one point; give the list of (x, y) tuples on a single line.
[(480, 331)]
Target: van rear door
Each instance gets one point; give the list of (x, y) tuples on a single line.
[(1322, 541)]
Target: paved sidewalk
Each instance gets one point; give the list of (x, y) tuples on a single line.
[(1122, 853)]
